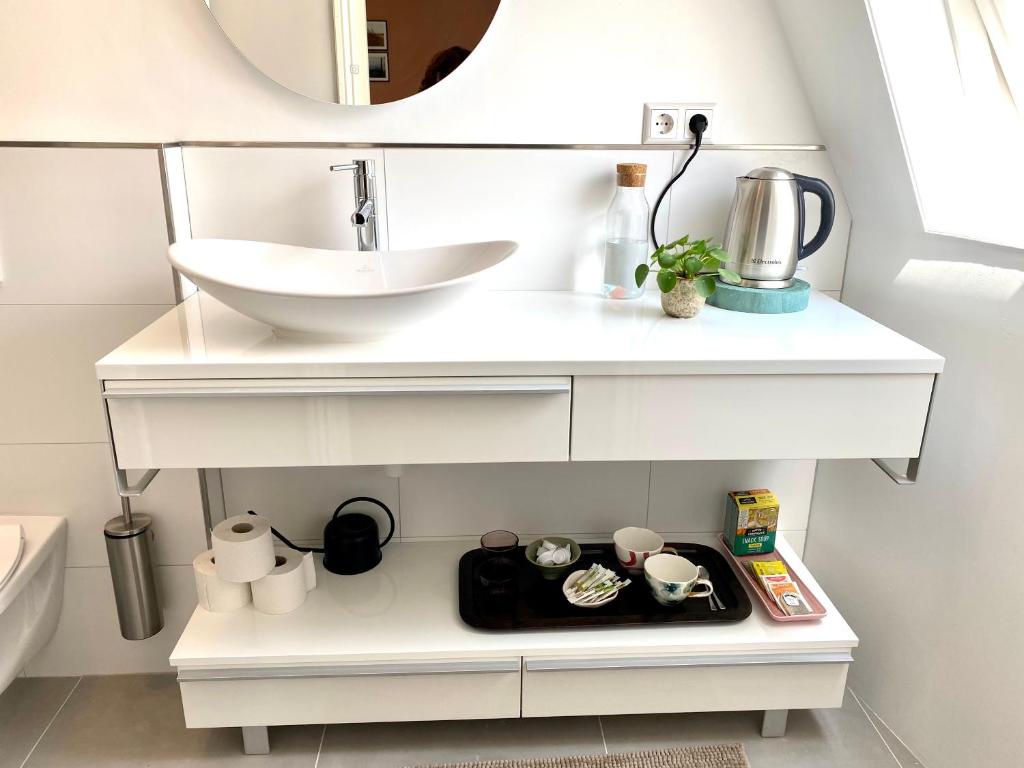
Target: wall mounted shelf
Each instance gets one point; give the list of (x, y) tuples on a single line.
[(506, 377)]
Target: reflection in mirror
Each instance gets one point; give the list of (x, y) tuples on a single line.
[(355, 51)]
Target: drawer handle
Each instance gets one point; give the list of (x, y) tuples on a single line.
[(662, 662), (136, 393), (350, 670)]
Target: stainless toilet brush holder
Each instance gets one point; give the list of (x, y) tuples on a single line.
[(129, 541)]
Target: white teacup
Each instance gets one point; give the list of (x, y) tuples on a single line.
[(634, 545), (672, 579)]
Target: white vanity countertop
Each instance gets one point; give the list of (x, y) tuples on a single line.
[(406, 609), (508, 333)]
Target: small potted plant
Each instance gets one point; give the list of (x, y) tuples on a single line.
[(686, 274)]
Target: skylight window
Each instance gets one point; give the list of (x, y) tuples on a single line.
[(955, 70)]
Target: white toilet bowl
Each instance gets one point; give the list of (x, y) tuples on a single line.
[(31, 596)]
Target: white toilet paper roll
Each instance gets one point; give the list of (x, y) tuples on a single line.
[(243, 547), (284, 588), (309, 570), (213, 592)]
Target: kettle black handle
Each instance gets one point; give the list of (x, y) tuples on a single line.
[(379, 503), (823, 192)]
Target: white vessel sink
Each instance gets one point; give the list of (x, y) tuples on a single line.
[(335, 295)]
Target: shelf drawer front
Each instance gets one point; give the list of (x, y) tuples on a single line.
[(352, 698), (630, 418), (270, 423), (551, 690)]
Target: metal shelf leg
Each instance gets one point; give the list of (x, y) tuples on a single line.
[(255, 740), (774, 723)]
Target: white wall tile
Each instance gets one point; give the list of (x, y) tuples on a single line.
[(82, 226), (701, 200), (471, 499), (797, 540), (300, 501), (88, 640), (277, 195), (552, 202), (76, 481), (48, 378), (690, 495)]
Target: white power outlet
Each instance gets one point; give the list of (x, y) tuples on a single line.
[(668, 123)]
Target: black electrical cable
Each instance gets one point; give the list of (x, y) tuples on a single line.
[(698, 124), (296, 547)]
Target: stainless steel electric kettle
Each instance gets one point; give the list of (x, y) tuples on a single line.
[(765, 233)]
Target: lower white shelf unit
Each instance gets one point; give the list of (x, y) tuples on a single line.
[(389, 645)]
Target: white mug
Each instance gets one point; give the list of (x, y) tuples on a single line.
[(672, 579), (634, 545)]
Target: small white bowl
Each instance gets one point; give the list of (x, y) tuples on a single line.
[(575, 576)]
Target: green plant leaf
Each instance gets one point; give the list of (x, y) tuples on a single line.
[(729, 275), (705, 285), (692, 266), (666, 280), (667, 260), (719, 253), (700, 246), (641, 275)]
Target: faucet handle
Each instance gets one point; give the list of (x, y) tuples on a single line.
[(361, 167)]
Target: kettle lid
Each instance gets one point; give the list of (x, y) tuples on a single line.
[(770, 173)]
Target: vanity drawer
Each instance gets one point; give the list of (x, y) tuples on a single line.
[(316, 422), (358, 693), (637, 685), (781, 416)]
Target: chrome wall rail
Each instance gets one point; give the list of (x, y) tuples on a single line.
[(913, 465), (403, 145)]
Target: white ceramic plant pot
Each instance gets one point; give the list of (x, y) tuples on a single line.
[(683, 300)]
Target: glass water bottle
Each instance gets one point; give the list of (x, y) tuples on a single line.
[(626, 235)]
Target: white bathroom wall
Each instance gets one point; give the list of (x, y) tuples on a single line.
[(588, 499), (928, 575), (551, 201), (282, 195), (82, 241), (566, 72)]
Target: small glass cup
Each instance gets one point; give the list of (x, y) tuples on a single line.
[(499, 542)]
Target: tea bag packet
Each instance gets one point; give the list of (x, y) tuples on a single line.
[(776, 581)]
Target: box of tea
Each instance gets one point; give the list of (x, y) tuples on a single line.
[(751, 519)]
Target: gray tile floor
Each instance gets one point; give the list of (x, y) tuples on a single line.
[(135, 720)]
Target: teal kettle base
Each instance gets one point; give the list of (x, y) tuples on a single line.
[(762, 301)]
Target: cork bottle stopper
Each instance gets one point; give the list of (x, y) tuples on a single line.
[(631, 174)]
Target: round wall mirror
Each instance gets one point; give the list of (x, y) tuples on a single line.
[(355, 51)]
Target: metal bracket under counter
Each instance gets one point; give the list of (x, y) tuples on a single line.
[(914, 464)]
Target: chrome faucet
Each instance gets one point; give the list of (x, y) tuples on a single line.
[(365, 217)]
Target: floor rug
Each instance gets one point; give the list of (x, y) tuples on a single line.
[(701, 756)]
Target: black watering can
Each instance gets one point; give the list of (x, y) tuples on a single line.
[(351, 541)]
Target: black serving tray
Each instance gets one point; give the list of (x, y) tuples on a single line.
[(536, 603)]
